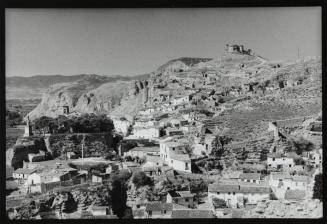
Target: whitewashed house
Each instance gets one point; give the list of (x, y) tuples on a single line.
[(173, 153), (159, 210), (22, 173), (142, 151), (281, 180), (146, 132), (250, 177), (279, 161), (185, 198), (237, 195)]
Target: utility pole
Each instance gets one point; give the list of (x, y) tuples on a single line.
[(83, 141)]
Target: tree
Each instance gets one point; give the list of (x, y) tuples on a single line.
[(317, 188), (118, 195), (299, 145), (141, 179)]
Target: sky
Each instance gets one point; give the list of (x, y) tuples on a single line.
[(137, 41)]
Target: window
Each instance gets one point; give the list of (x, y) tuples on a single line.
[(150, 213), (218, 193), (233, 193), (247, 180), (290, 165), (164, 211), (273, 159), (228, 192), (171, 161), (186, 199), (186, 166)]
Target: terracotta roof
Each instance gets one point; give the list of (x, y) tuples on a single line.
[(255, 176), (145, 149), (280, 175), (177, 194), (255, 189), (223, 188), (242, 188), (295, 194), (159, 206), (179, 156), (192, 214), (301, 178), (24, 171)]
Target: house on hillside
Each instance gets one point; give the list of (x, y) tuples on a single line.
[(192, 214), (174, 155), (147, 132), (22, 173), (237, 195), (250, 177), (50, 176), (185, 198), (173, 131), (280, 161), (142, 151), (159, 210)]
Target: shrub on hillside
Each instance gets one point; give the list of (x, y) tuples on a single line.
[(317, 188)]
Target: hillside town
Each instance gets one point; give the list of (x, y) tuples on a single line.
[(201, 145)]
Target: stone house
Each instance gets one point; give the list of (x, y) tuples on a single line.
[(238, 195), (250, 177), (279, 161), (142, 151), (22, 173), (185, 198), (146, 132), (51, 176), (192, 214), (174, 155), (159, 210)]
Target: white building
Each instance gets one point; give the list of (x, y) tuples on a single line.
[(142, 151), (146, 132), (280, 180), (145, 123), (237, 195), (180, 100), (147, 111), (173, 153), (159, 210), (250, 177), (22, 173), (185, 198), (279, 161), (49, 176)]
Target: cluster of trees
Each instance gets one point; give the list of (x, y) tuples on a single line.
[(317, 188), (118, 194), (86, 123), (141, 179), (13, 118), (300, 145)]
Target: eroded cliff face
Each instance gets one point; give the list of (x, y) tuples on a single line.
[(87, 96)]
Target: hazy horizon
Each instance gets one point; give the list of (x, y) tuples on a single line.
[(128, 42)]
